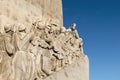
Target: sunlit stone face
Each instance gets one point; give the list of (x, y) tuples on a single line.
[(34, 44)]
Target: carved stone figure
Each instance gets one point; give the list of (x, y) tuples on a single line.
[(72, 27), (22, 38), (6, 40)]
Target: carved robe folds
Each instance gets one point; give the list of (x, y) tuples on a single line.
[(38, 52)]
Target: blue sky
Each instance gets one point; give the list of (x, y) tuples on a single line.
[(98, 23)]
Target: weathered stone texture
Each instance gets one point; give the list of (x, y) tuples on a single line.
[(28, 11), (34, 44), (76, 71)]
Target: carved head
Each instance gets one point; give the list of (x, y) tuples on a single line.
[(7, 28), (62, 29), (21, 28), (73, 26), (35, 41)]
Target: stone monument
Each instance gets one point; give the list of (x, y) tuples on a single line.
[(34, 44)]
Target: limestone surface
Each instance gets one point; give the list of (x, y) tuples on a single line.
[(34, 44)]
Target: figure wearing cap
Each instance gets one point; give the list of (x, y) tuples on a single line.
[(22, 38), (7, 40)]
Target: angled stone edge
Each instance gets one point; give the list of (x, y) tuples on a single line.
[(34, 44)]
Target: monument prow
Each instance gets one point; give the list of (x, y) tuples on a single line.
[(34, 44)]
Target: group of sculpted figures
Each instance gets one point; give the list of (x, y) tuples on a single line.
[(37, 52)]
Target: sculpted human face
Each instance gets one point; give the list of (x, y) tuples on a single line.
[(8, 30), (40, 25), (22, 31)]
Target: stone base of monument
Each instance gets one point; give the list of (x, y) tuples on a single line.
[(75, 71)]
